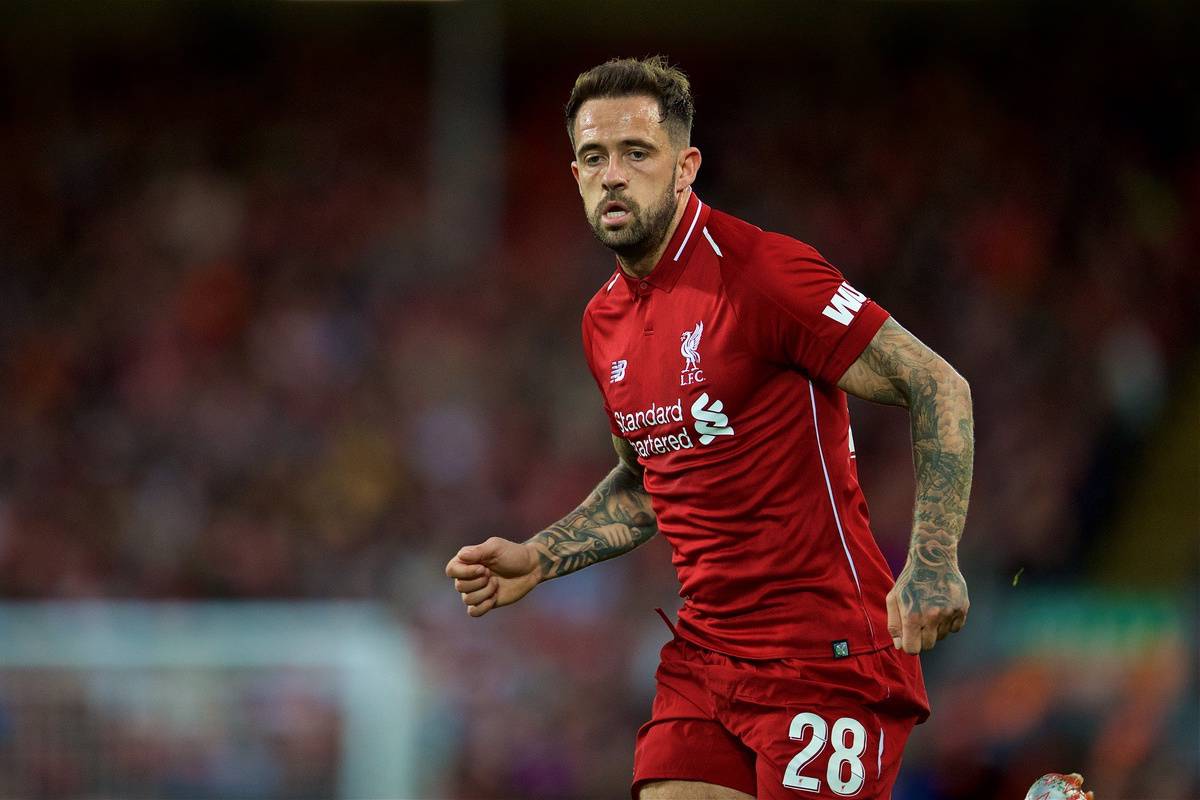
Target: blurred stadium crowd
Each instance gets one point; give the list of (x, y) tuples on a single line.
[(233, 368)]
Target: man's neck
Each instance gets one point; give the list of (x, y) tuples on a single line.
[(641, 267)]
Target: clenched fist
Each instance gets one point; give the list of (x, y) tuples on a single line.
[(495, 573)]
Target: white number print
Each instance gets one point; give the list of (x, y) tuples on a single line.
[(820, 734), (847, 753), (849, 741)]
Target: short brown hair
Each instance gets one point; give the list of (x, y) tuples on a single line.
[(626, 77)]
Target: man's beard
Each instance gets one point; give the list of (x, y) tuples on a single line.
[(644, 231)]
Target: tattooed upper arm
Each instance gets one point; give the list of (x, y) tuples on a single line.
[(895, 368)]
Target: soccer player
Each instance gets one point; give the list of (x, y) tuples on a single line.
[(724, 354)]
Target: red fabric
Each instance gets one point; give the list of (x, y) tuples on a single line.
[(765, 517), (729, 721)]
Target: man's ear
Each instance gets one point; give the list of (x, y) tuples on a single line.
[(688, 164), (575, 175)]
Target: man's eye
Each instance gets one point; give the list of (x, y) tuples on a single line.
[(637, 155), (592, 160)]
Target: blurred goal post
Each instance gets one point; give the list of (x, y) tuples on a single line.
[(358, 655)]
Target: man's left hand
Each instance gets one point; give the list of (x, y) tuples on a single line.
[(928, 603)]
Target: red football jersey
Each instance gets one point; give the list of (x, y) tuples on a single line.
[(720, 368)]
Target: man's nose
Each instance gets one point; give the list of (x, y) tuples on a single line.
[(613, 177)]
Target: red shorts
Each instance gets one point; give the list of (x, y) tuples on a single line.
[(785, 728)]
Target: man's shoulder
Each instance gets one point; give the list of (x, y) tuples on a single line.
[(743, 243), (604, 297), (736, 238), (765, 261)]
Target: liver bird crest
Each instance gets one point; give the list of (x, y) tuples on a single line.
[(690, 346)]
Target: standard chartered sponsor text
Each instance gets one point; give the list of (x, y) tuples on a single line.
[(710, 422), (633, 421), (654, 414), (651, 445)]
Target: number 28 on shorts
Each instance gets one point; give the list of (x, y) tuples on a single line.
[(843, 771)]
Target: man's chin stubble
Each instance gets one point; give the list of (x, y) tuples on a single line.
[(640, 242), (630, 246), (644, 235)]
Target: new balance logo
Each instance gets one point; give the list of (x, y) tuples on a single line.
[(844, 304), (710, 422), (618, 371)]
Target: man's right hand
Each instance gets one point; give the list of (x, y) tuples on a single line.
[(494, 573)]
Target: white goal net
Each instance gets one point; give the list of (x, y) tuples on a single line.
[(213, 700)]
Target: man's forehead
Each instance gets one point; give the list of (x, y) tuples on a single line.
[(619, 117)]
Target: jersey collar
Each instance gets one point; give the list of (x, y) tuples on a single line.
[(666, 272)]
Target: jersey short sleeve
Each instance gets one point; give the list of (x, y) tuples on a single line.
[(590, 356), (796, 308)]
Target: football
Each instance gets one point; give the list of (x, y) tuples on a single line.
[(1055, 786)]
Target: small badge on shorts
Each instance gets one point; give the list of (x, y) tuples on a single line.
[(841, 649)]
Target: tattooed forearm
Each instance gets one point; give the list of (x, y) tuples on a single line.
[(615, 518), (943, 452)]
